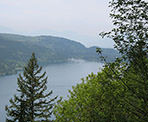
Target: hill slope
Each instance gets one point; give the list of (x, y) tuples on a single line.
[(16, 49)]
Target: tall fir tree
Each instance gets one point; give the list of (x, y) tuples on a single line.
[(33, 103)]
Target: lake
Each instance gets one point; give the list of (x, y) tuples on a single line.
[(61, 78)]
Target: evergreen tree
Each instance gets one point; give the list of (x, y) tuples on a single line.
[(32, 104)]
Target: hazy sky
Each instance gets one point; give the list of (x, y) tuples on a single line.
[(80, 20)]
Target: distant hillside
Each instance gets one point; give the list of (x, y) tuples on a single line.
[(15, 50)]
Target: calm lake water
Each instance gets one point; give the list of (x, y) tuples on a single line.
[(61, 78)]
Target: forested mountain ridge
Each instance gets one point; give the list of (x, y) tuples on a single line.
[(16, 49)]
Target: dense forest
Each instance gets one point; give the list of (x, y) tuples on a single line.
[(118, 93), (15, 51)]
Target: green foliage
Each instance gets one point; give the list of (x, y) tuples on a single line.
[(119, 93), (99, 98), (113, 95), (15, 50), (33, 102), (130, 36)]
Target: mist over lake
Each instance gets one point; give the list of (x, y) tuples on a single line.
[(61, 78)]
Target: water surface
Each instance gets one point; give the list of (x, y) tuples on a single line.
[(61, 78)]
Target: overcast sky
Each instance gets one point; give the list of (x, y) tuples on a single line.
[(80, 20)]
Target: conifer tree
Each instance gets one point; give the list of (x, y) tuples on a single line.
[(32, 104)]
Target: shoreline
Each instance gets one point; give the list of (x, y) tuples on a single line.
[(53, 63)]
